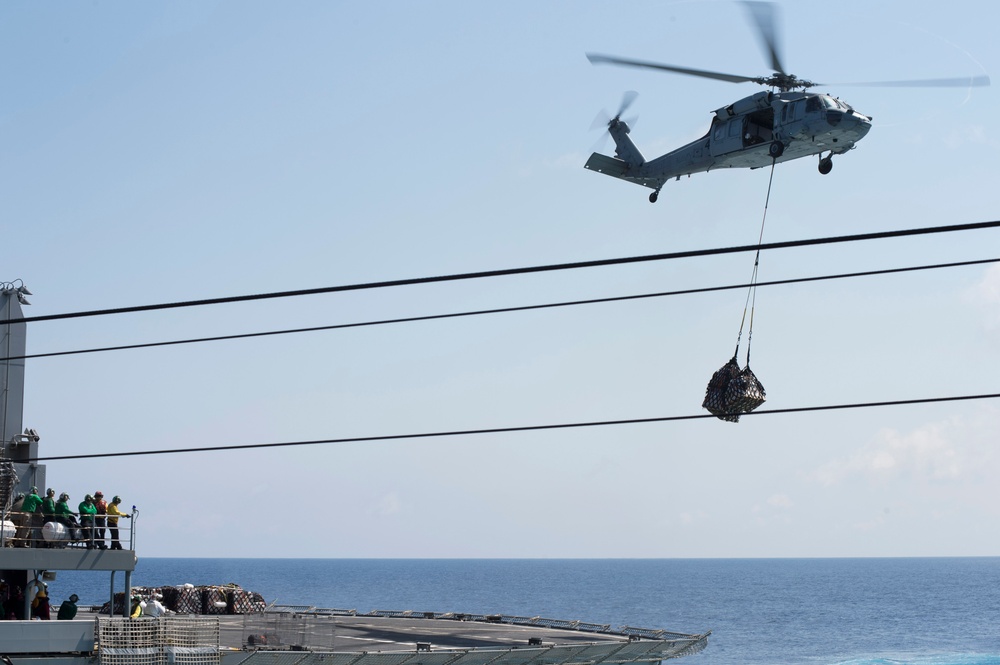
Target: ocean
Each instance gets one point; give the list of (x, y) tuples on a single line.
[(924, 611)]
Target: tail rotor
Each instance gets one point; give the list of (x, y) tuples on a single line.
[(604, 119)]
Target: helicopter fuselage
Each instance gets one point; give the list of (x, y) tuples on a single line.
[(756, 131)]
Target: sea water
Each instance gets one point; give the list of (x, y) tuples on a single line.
[(934, 611)]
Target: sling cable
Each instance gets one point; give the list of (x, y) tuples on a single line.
[(732, 391)]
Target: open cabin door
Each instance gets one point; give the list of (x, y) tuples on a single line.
[(727, 135)]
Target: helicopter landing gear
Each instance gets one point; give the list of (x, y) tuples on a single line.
[(825, 164), (775, 149), (655, 195)]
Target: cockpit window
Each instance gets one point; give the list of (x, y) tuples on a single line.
[(832, 103), (821, 102)]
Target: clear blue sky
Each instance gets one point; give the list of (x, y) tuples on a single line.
[(154, 152)]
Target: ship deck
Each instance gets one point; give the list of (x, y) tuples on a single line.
[(398, 633), (429, 638)]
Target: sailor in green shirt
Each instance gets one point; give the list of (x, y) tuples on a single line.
[(48, 511), (33, 519), (88, 511), (49, 505), (64, 515), (32, 501), (67, 611)]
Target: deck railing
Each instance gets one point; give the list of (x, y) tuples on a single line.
[(20, 529)]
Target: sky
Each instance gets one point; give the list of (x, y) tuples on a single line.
[(159, 152)]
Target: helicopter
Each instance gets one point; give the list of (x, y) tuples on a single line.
[(772, 126)]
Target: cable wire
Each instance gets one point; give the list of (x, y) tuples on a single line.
[(501, 310), (507, 430), (515, 271), (752, 291)]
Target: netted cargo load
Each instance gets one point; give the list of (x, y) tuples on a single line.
[(745, 392), (715, 393), (190, 599), (187, 601), (732, 391), (170, 595), (240, 601), (213, 600), (120, 601), (119, 605)]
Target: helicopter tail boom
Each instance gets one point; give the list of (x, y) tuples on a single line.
[(625, 150), (618, 168), (627, 160)]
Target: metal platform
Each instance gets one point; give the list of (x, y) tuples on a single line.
[(342, 637), (69, 558)]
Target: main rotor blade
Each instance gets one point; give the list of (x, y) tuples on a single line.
[(612, 60), (961, 82), (764, 15)]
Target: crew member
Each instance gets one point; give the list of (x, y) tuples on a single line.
[(135, 611), (88, 511), (40, 605), (49, 505), (102, 510), (48, 509), (114, 512), (63, 513), (67, 610), (31, 506), (153, 607)]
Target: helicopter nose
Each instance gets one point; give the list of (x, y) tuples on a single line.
[(854, 122), (864, 123)]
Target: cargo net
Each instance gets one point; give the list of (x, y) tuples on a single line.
[(284, 630), (158, 641), (189, 599), (732, 392)]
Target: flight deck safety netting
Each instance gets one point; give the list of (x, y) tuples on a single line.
[(158, 641), (284, 630)]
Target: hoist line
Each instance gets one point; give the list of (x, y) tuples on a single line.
[(503, 310), (880, 235), (507, 430), (752, 291)]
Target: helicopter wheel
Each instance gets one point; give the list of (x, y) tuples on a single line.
[(775, 149), (655, 195), (825, 165)]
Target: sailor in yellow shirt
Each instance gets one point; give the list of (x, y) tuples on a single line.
[(114, 512), (136, 609)]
